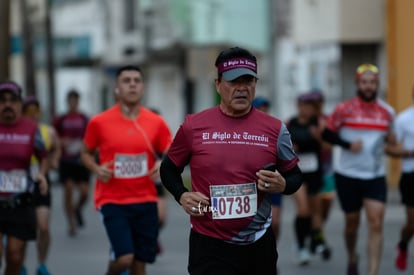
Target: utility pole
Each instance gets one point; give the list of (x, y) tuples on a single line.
[(30, 85), (50, 61), (5, 39)]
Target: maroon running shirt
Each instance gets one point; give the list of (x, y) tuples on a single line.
[(224, 154), (71, 127), (17, 144)]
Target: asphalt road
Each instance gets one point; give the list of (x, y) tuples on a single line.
[(87, 253)]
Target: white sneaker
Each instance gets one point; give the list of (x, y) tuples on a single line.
[(303, 256)]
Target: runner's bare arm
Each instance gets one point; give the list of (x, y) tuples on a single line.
[(103, 172), (396, 149), (41, 178), (55, 150), (154, 173)]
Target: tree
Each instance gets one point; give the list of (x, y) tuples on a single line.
[(4, 38)]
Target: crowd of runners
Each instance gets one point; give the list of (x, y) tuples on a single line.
[(243, 161)]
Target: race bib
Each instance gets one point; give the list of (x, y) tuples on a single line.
[(308, 162), (74, 147), (130, 166), (233, 201), (13, 182)]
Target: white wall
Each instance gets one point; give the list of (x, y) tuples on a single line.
[(362, 20), (86, 81), (82, 18), (315, 20), (116, 39), (346, 21), (238, 22), (302, 68), (164, 91)]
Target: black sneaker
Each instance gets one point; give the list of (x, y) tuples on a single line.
[(323, 250), (79, 217)]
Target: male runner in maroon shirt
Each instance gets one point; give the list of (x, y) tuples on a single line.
[(19, 139), (228, 148), (73, 174)]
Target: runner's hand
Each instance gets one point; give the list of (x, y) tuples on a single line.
[(194, 203), (154, 173), (42, 182), (103, 172), (270, 181), (356, 146)]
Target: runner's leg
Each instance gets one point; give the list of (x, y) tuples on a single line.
[(15, 253), (375, 211), (68, 205), (43, 240)]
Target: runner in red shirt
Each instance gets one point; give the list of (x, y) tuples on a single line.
[(129, 138), (228, 148), (19, 139)]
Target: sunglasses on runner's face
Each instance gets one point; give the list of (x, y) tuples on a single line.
[(367, 67)]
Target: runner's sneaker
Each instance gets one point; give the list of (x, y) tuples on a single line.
[(401, 260), (324, 251), (79, 217), (23, 271), (303, 256), (125, 272), (42, 270)]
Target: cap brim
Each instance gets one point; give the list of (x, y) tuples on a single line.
[(10, 91), (235, 73)]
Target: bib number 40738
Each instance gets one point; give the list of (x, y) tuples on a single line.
[(233, 201)]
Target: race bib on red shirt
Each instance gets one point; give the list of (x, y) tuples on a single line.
[(130, 166)]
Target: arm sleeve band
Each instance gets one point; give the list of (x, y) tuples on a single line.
[(293, 180), (333, 138), (171, 178)]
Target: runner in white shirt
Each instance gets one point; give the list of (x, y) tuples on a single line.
[(404, 148), (361, 125)]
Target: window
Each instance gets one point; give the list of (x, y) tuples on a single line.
[(129, 15)]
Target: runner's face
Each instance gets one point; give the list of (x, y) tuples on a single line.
[(73, 103), (367, 85), (236, 95), (130, 87), (306, 109), (10, 107), (32, 112)]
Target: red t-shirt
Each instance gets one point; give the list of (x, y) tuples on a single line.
[(224, 154), (132, 146)]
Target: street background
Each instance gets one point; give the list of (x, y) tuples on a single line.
[(87, 253)]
